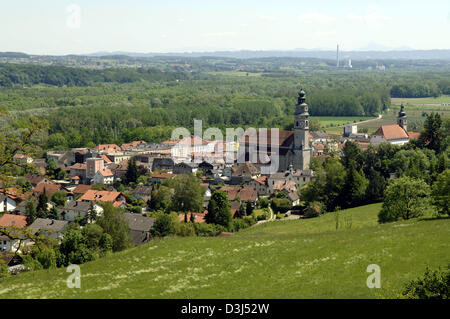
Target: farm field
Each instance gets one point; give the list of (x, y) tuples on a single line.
[(414, 108), (282, 259), (334, 124)]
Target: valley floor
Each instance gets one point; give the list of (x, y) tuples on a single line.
[(324, 257)]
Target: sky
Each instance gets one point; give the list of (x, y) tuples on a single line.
[(61, 27)]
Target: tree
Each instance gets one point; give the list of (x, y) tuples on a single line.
[(432, 134), (219, 210), (23, 144), (248, 209), (42, 206), (164, 226), (75, 249), (354, 189), (441, 192), (113, 223), (327, 186), (30, 210), (92, 213), (433, 285), (132, 173), (53, 213), (161, 198), (59, 198), (352, 154), (281, 205), (404, 198), (377, 184), (53, 171), (188, 196)]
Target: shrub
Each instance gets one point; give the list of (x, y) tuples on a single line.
[(404, 198), (184, 229), (263, 202), (433, 285), (281, 205), (261, 217), (164, 226), (208, 230), (280, 215), (313, 209), (135, 209)]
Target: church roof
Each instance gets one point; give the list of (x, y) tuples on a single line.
[(392, 132), (285, 138)]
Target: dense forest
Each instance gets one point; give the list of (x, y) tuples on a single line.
[(86, 106), (11, 74)]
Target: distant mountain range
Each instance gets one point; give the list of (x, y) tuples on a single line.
[(364, 54)]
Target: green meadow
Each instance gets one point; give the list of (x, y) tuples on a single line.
[(324, 257)]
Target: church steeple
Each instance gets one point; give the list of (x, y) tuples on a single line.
[(402, 118), (301, 123)]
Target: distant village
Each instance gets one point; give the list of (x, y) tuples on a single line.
[(106, 165)]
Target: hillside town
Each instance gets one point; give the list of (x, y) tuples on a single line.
[(86, 178)]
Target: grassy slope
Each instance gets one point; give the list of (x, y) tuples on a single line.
[(283, 259)]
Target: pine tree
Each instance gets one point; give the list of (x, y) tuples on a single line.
[(30, 210), (132, 173), (219, 210), (42, 208)]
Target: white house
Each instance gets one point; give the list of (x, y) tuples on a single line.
[(74, 209), (7, 244), (393, 134), (104, 176), (49, 227), (7, 203), (299, 177)]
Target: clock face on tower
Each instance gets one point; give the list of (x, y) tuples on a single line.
[(301, 124)]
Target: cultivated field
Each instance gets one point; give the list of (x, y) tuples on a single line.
[(334, 124), (415, 110), (281, 259)]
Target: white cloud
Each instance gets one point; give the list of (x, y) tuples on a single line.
[(268, 18), (354, 17), (368, 17), (220, 34), (316, 17), (324, 33)]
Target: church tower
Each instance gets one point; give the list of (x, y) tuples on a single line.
[(302, 150), (402, 120)]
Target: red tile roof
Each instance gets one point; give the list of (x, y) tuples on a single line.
[(245, 194), (48, 188), (106, 172), (81, 189), (13, 220), (80, 166), (133, 144), (104, 196), (163, 175), (187, 141), (392, 132), (414, 135), (108, 147), (106, 158)]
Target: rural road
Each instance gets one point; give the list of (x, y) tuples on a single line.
[(366, 121)]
